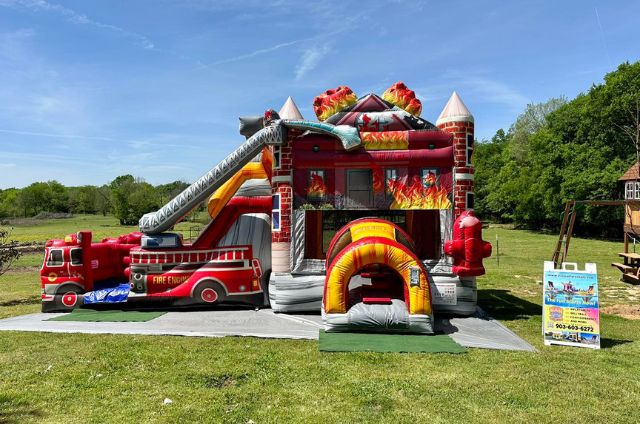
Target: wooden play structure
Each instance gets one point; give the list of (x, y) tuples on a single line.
[(630, 266)]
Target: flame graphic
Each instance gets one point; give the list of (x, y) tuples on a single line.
[(333, 101), (430, 179), (317, 189), (416, 196), (401, 96), (378, 180), (388, 140)]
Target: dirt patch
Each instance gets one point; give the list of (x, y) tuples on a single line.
[(35, 220), (624, 311), (31, 248), (19, 269), (224, 380)]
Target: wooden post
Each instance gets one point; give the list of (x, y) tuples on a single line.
[(569, 233), (563, 230), (626, 242)]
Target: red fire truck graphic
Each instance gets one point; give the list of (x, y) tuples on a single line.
[(182, 276)]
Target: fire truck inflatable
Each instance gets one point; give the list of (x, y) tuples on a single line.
[(116, 270), (224, 264)]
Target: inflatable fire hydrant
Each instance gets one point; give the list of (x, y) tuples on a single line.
[(467, 247)]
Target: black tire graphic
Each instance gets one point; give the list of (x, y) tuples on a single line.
[(209, 293), (67, 298)]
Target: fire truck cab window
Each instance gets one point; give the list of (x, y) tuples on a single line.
[(55, 258), (76, 256)]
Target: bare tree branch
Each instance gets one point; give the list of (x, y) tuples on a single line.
[(8, 251)]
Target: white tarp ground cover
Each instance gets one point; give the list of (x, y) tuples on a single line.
[(477, 331)]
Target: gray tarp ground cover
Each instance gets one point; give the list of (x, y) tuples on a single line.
[(476, 331)]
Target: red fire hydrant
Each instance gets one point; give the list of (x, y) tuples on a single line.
[(467, 247)]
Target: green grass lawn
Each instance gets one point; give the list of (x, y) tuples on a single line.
[(117, 378), (39, 231)]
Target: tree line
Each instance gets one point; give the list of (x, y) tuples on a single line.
[(126, 197), (563, 150)]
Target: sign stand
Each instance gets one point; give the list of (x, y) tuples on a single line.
[(570, 306)]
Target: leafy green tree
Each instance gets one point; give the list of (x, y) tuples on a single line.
[(9, 202), (487, 160), (58, 198), (171, 190), (506, 185), (131, 198), (50, 196), (83, 199), (121, 188), (559, 151), (103, 199), (143, 199)]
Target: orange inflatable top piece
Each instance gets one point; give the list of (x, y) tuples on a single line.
[(372, 229), (333, 101), (401, 96)]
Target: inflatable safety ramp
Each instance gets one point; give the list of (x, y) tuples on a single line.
[(390, 287)]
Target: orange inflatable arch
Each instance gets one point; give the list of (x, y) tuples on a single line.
[(369, 241)]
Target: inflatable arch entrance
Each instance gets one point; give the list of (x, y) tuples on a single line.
[(374, 248)]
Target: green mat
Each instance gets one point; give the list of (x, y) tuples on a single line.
[(90, 315), (373, 342)]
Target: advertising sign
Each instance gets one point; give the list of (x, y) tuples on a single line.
[(570, 306), (444, 294)]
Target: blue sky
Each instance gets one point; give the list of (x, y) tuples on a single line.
[(90, 90)]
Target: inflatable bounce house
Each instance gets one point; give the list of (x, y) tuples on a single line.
[(365, 215)]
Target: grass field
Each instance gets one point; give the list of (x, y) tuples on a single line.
[(102, 378), (39, 231)]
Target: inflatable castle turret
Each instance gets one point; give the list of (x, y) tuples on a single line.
[(282, 182), (456, 119)]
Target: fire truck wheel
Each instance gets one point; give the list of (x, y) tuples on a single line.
[(67, 298), (208, 293)]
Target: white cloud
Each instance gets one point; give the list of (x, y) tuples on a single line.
[(485, 88), (55, 135), (12, 43), (278, 46), (78, 18), (257, 52), (498, 92), (310, 59), (36, 96)]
